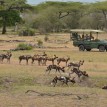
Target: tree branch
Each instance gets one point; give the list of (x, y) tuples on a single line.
[(61, 16)]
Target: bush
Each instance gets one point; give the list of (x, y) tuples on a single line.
[(23, 46), (39, 43), (46, 38), (27, 32)]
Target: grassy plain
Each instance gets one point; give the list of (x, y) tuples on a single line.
[(16, 80)]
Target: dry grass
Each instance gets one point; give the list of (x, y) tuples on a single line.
[(16, 79)]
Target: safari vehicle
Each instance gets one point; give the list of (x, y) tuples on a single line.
[(86, 41)]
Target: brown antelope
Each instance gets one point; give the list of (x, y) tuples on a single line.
[(63, 79), (6, 56), (24, 57), (77, 65), (51, 59), (59, 60), (57, 68)]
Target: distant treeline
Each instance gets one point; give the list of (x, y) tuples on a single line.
[(62, 16)]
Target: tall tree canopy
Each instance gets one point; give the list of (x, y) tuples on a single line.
[(101, 8), (9, 12), (54, 16)]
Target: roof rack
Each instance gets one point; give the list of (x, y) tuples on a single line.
[(86, 30)]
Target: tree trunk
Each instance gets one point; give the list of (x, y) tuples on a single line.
[(4, 29), (105, 18), (4, 26)]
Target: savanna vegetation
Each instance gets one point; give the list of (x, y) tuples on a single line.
[(23, 85), (53, 16), (30, 85)]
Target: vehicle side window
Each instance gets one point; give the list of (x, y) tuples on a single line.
[(75, 36)]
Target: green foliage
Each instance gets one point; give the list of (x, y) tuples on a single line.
[(48, 21), (40, 43), (86, 22), (11, 17), (98, 6), (45, 17), (80, 15), (9, 12), (27, 32), (23, 46), (101, 7)]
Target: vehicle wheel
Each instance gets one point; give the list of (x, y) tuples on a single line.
[(88, 49), (81, 48), (101, 48)]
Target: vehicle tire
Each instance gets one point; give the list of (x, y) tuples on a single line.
[(88, 49), (81, 48), (101, 48)]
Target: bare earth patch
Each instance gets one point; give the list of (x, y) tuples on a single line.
[(29, 85)]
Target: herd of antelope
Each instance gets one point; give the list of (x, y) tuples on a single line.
[(42, 59)]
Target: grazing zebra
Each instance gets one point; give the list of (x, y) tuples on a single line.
[(24, 57)]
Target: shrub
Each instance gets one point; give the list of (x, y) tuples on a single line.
[(46, 38), (23, 46), (27, 32), (39, 43)]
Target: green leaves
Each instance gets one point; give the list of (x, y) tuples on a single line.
[(10, 16), (9, 12)]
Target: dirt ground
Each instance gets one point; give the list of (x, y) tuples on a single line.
[(29, 85)]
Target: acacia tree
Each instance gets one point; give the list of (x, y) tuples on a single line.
[(101, 8), (9, 12), (47, 20), (54, 16)]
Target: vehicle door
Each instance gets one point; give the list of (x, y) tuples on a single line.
[(87, 44), (94, 43)]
